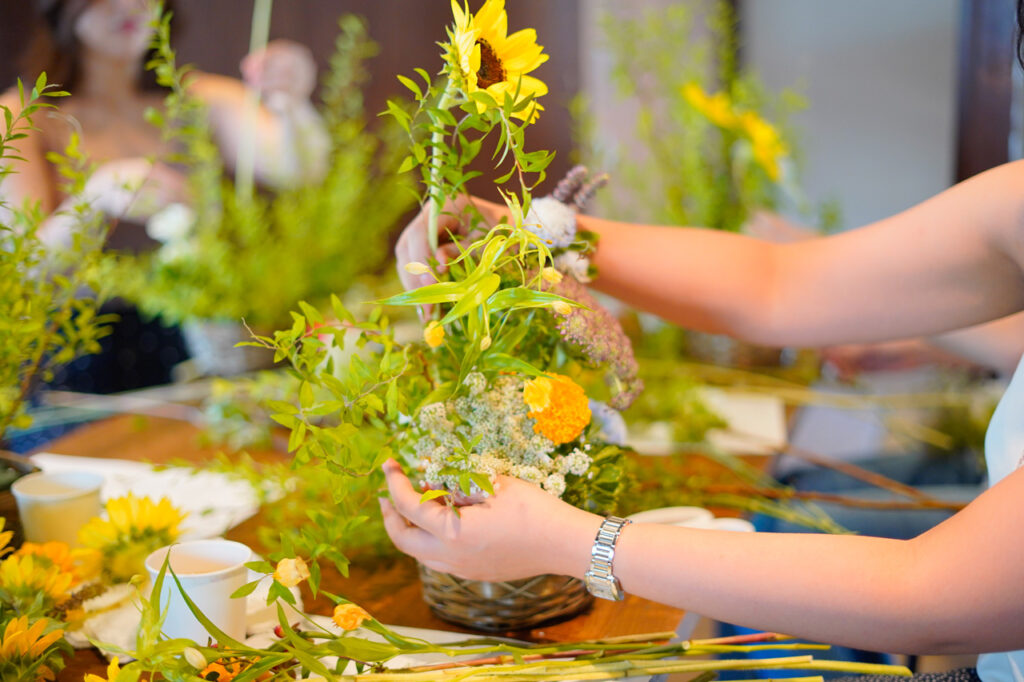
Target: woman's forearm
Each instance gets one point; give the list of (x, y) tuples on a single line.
[(938, 593), (703, 279)]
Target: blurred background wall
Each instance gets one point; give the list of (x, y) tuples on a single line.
[(905, 97), (881, 78)]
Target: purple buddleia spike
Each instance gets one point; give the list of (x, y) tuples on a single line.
[(586, 192), (568, 185)]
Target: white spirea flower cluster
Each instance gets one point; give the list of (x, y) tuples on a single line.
[(494, 418)]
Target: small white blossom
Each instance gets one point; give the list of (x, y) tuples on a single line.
[(552, 221), (555, 484)]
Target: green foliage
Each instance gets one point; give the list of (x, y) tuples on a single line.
[(254, 257), (45, 319), (690, 170)]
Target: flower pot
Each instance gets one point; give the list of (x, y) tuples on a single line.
[(212, 345), (17, 466), (503, 606)]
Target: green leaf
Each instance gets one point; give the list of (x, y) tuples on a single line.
[(409, 83), (441, 292), (429, 495), (522, 297), (504, 361), (474, 298), (245, 590)]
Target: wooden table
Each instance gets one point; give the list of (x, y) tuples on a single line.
[(388, 588)]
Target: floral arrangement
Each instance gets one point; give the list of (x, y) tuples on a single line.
[(237, 254), (45, 320), (502, 381)]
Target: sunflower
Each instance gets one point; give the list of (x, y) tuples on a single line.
[(81, 564), (486, 58), (135, 526), (25, 576), (24, 649)]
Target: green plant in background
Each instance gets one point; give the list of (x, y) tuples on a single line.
[(237, 255), (46, 318), (713, 142)]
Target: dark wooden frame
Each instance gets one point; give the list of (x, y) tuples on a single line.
[(985, 88)]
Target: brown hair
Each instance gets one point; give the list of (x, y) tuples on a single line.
[(56, 49)]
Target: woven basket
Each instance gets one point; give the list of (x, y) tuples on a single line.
[(503, 606)]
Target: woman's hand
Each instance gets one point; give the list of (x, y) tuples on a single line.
[(283, 69), (518, 532), (456, 220)]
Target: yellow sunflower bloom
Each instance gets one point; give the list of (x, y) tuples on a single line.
[(134, 527), (25, 576), (81, 564), (487, 58), (5, 537), (564, 409), (23, 647)]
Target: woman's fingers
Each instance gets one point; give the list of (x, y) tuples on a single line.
[(429, 516), (407, 538)]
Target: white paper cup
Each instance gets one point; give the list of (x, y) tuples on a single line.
[(209, 571), (690, 517), (53, 507)]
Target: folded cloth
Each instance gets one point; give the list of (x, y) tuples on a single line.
[(112, 619), (215, 502)]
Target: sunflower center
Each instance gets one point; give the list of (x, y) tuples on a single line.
[(491, 70)]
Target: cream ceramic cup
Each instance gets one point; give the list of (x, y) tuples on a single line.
[(209, 571), (53, 507)]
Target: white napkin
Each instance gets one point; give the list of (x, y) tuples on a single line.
[(215, 502), (118, 614)]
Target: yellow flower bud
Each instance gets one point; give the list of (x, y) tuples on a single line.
[(194, 658), (291, 572), (416, 268), (485, 343), (551, 275), (433, 334), (349, 616), (561, 308)]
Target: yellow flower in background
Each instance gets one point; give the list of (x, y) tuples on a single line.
[(23, 646), (349, 616), (717, 108), (766, 142), (565, 412), (25, 576), (489, 59), (5, 537), (291, 572), (134, 527), (81, 564), (433, 334)]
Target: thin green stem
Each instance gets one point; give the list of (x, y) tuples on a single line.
[(437, 165)]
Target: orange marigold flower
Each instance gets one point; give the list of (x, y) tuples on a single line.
[(565, 412), (349, 616)]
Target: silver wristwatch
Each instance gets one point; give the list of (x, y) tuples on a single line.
[(600, 581)]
